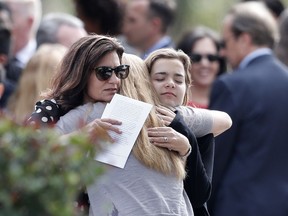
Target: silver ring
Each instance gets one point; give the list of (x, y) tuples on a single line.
[(166, 139)]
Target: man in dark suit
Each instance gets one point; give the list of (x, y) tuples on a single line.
[(250, 175), (6, 86), (26, 16)]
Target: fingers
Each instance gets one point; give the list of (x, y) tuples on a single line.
[(100, 133), (160, 130), (111, 121), (161, 136), (165, 111), (166, 115), (165, 119), (160, 139), (163, 142), (108, 124), (168, 138)]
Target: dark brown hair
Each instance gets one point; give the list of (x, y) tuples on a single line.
[(191, 37), (70, 82)]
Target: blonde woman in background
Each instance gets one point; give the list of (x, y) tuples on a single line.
[(35, 79)]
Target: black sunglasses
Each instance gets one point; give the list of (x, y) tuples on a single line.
[(197, 57), (104, 73)]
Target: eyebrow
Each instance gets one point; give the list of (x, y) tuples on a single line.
[(179, 75), (164, 73), (161, 73)]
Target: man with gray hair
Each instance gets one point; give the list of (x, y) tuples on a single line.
[(60, 28), (250, 171)]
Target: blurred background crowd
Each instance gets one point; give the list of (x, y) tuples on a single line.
[(35, 35), (190, 12)]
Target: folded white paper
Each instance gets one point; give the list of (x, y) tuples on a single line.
[(132, 113)]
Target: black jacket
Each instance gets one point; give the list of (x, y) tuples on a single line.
[(199, 167)]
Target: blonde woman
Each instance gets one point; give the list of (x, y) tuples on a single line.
[(35, 78)]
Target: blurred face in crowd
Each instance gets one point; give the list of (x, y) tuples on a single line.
[(137, 25), (26, 17), (103, 90), (205, 62), (67, 35), (168, 78), (233, 46)]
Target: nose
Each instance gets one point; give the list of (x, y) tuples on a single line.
[(170, 83), (204, 61), (114, 79)]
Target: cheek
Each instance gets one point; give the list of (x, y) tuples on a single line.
[(215, 67), (195, 69), (180, 94), (156, 86), (94, 88), (195, 66)]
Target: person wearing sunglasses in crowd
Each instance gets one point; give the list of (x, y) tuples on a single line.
[(97, 76), (203, 45), (169, 74)]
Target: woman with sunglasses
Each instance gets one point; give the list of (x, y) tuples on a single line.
[(92, 71), (202, 44)]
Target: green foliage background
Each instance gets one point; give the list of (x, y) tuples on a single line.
[(42, 174)]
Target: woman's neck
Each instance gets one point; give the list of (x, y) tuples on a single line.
[(200, 95)]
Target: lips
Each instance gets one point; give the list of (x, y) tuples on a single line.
[(205, 71), (111, 90), (168, 94)]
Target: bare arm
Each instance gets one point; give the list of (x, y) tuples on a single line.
[(221, 122), (205, 121)]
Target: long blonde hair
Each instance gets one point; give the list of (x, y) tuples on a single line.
[(34, 79), (138, 86)]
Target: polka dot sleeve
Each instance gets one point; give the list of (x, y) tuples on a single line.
[(46, 113)]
